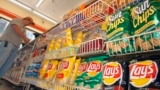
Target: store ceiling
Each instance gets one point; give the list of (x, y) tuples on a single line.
[(54, 9)]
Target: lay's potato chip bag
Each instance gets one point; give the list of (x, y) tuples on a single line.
[(115, 75), (93, 79), (144, 75), (119, 26), (81, 73), (67, 38), (74, 72), (43, 68), (145, 18), (51, 69), (65, 69)]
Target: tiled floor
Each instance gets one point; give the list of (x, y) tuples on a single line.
[(4, 85)]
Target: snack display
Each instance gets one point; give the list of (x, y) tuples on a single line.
[(115, 75), (145, 18), (144, 75), (119, 26), (106, 45)]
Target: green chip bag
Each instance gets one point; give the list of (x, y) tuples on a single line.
[(145, 18), (93, 78), (81, 73), (119, 26)]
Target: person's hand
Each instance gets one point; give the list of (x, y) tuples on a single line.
[(26, 40)]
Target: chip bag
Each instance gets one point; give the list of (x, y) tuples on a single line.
[(93, 79), (119, 26), (144, 75), (74, 72), (43, 68), (67, 38), (145, 18), (51, 69), (65, 70), (115, 75), (81, 73)]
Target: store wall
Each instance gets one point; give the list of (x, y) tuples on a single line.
[(8, 6)]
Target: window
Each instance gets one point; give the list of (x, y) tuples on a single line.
[(30, 34), (3, 25)]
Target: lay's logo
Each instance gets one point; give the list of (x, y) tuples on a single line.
[(112, 72), (143, 73), (82, 67), (94, 68), (50, 65), (64, 65)]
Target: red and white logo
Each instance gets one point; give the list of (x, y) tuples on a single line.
[(144, 72), (64, 65), (112, 72), (82, 67), (94, 67)]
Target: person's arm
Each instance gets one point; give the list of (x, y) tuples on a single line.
[(20, 33)]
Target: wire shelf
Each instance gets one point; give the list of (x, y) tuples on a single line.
[(145, 42), (92, 47)]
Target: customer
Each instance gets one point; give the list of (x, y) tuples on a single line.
[(11, 40)]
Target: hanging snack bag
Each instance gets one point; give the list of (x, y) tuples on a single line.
[(43, 68), (81, 73), (67, 38), (78, 37), (144, 75), (65, 70), (115, 76), (74, 72), (51, 69), (145, 18), (93, 79), (50, 49), (119, 26)]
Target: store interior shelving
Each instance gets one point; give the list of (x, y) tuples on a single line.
[(89, 18)]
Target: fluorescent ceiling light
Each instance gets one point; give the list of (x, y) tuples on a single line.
[(21, 5), (39, 3), (45, 17)]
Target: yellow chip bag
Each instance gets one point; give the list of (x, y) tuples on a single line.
[(67, 38), (74, 72), (79, 37), (65, 69), (57, 44), (43, 68), (51, 69)]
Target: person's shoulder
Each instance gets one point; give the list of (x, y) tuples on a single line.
[(16, 19)]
